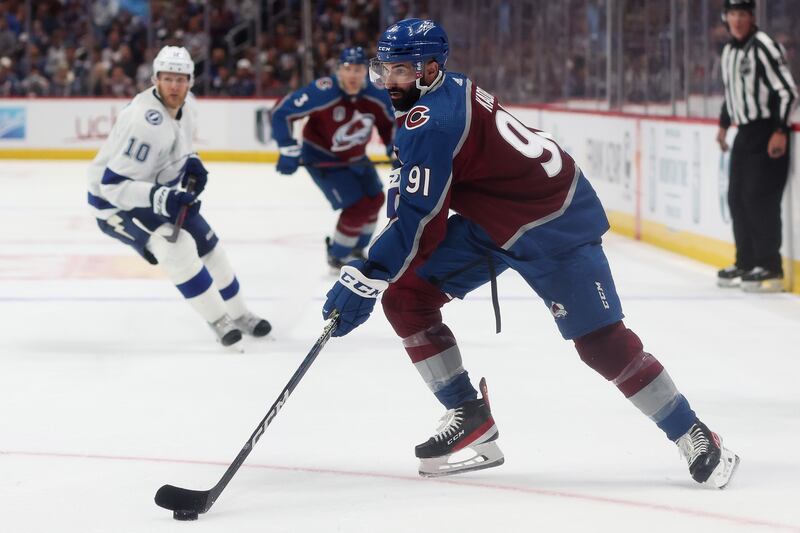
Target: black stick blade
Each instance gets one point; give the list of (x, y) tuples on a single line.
[(178, 499)]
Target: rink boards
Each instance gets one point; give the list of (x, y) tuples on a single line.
[(662, 180)]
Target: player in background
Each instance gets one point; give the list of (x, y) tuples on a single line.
[(520, 202), (341, 110), (137, 188)]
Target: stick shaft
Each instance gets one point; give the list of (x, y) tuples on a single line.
[(273, 411)]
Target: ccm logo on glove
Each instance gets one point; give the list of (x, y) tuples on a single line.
[(353, 279)]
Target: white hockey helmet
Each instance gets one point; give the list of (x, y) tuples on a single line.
[(174, 59)]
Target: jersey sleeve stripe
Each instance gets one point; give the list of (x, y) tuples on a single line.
[(778, 83), (112, 178), (98, 203), (430, 216)]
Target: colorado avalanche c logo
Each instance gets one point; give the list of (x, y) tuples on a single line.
[(417, 117), (354, 132)]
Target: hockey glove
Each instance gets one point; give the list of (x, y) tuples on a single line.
[(194, 168), (289, 159), (167, 203), (354, 295)]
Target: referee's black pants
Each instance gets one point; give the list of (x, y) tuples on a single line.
[(754, 196)]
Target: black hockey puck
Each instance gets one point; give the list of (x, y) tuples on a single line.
[(184, 515)]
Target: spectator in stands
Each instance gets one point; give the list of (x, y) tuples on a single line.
[(220, 82), (269, 85), (119, 84), (35, 83), (8, 39), (144, 71), (243, 82), (9, 84), (56, 53), (218, 59), (62, 81)]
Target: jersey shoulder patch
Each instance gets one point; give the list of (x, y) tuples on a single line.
[(417, 117), (154, 116), (323, 84)]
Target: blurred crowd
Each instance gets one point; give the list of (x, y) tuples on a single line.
[(522, 50), (68, 50)]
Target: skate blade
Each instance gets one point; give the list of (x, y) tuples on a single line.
[(725, 470), (236, 347), (728, 283), (771, 285), (479, 457)]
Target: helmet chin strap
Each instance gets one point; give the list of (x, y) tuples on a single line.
[(425, 89)]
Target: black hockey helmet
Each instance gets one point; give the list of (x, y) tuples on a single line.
[(749, 5)]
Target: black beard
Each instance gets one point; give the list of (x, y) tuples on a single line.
[(409, 98)]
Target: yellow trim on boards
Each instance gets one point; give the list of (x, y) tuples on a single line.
[(704, 249), (45, 153)]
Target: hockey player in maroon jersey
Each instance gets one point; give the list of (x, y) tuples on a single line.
[(341, 111), (520, 202)]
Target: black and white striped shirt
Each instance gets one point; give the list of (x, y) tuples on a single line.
[(758, 83)]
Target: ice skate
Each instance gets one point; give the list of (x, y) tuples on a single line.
[(253, 325), (729, 276), (710, 463), (357, 253), (762, 280), (333, 262), (227, 333), (465, 441)]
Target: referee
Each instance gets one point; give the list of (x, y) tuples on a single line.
[(759, 97)]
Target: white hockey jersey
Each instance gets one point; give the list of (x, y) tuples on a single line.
[(146, 146)]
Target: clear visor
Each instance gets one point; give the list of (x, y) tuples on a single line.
[(383, 74)]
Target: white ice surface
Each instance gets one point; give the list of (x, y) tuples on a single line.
[(110, 387)]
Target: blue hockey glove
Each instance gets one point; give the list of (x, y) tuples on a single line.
[(390, 151), (167, 203), (354, 295), (289, 159), (194, 168)]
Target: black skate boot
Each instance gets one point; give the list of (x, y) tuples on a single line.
[(357, 253), (227, 333), (253, 325), (709, 462), (469, 428), (729, 276), (334, 262), (762, 280)]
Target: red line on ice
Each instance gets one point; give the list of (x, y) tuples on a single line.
[(739, 520)]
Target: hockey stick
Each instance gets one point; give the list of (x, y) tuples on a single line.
[(187, 504), (345, 164), (182, 213)]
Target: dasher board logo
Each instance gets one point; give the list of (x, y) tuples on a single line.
[(12, 122)]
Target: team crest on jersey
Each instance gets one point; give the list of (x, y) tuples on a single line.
[(558, 310), (339, 113), (417, 117), (153, 116), (354, 132), (324, 83)]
